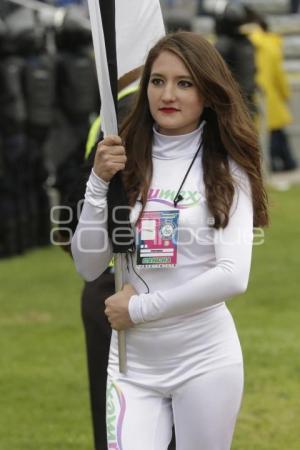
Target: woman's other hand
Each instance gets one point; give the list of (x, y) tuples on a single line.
[(117, 308), (110, 157)]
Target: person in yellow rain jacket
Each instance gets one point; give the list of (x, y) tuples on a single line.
[(272, 81)]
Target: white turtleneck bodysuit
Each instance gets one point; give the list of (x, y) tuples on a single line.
[(184, 338)]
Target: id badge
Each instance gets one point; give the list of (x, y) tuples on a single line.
[(156, 243)]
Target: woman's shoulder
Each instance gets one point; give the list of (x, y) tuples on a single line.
[(239, 175)]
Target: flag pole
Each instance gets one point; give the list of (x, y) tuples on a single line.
[(102, 17), (121, 334)]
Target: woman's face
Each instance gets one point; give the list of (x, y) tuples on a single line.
[(174, 101)]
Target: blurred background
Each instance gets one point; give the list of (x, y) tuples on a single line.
[(48, 101), (49, 98)]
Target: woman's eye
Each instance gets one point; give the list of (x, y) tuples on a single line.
[(156, 81), (185, 83)]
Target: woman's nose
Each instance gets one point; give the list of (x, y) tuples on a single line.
[(169, 92)]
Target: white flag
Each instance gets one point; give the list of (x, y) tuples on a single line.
[(139, 25)]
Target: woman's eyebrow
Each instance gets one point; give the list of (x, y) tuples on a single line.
[(186, 77)]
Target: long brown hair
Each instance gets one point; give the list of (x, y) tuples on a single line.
[(229, 130)]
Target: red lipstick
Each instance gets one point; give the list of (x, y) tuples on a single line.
[(168, 110)]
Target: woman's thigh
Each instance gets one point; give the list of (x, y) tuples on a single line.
[(205, 409), (137, 418)]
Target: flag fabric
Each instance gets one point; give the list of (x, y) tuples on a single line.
[(138, 26), (106, 79)]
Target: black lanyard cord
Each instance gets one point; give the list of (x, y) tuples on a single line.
[(178, 197)]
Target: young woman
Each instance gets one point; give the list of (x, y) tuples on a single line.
[(191, 169)]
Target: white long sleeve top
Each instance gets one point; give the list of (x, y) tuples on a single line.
[(212, 265)]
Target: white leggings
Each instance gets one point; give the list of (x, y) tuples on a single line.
[(203, 410)]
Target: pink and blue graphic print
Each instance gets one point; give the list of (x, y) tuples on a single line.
[(115, 412), (157, 233)]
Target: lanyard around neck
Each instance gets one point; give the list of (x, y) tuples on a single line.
[(178, 197)]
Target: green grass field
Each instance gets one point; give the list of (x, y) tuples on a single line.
[(44, 401)]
